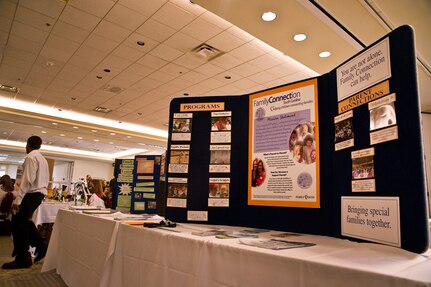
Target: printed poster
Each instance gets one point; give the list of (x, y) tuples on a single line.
[(284, 147)]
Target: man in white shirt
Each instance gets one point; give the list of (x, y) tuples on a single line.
[(33, 189)]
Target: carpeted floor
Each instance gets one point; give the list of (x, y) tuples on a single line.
[(27, 277)]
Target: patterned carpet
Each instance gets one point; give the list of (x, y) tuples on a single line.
[(27, 277)]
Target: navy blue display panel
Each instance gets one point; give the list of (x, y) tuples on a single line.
[(393, 131), (123, 172), (376, 171), (192, 159), (146, 175)]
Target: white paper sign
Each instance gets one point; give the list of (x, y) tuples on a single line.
[(365, 70), (371, 218)]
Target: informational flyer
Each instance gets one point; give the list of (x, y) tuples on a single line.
[(284, 147)]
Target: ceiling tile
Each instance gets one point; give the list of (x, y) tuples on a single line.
[(19, 54), (133, 39), (228, 77), (166, 53), (26, 98), (182, 42), (189, 6), (127, 53), (61, 43), (38, 80), (5, 24), (146, 84), (189, 60), (87, 57), (125, 17), (155, 30), (193, 77), (16, 62), (247, 52), (174, 70), (209, 69), (226, 61), (112, 31), (112, 61), (201, 29), (100, 43), (246, 69), (69, 32), (240, 33), (225, 41), (283, 70), (72, 73), (265, 61), (34, 19), (229, 90), (98, 8), (146, 8), (216, 20), (7, 9), (173, 16), (244, 83), (56, 55), (161, 76), (79, 18), (262, 77), (152, 61), (121, 82), (140, 70), (28, 32), (51, 8), (24, 44), (41, 66), (212, 83)]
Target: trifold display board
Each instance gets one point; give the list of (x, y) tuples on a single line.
[(338, 155), (137, 184), (145, 184)]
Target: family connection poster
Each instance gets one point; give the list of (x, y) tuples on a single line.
[(284, 147)]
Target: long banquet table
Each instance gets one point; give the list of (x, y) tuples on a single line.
[(92, 251)]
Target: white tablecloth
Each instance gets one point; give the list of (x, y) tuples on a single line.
[(155, 257), (80, 248), (47, 212), (90, 251)]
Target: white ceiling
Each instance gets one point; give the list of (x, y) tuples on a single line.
[(56, 52)]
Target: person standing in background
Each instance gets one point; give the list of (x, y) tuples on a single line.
[(90, 184), (33, 189)]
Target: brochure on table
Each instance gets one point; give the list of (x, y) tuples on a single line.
[(339, 155)]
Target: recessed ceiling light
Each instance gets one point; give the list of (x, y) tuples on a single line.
[(50, 64), (324, 54), (96, 140), (107, 70), (268, 16), (129, 137), (73, 99), (228, 77), (186, 94), (299, 37), (62, 135), (44, 132), (76, 127), (140, 43), (99, 77), (80, 138), (111, 143), (112, 134), (94, 131), (55, 124)]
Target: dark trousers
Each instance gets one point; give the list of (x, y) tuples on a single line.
[(24, 231)]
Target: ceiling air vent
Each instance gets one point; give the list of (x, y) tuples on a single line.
[(9, 88), (102, 110), (206, 52)]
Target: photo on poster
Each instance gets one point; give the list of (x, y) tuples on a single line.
[(218, 190), (302, 143), (258, 173), (382, 117), (363, 167), (179, 157), (177, 190), (363, 164), (138, 195), (344, 130), (220, 157), (221, 124), (144, 165), (182, 126), (152, 204)]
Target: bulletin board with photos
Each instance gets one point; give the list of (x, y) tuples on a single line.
[(339, 155), (145, 187)]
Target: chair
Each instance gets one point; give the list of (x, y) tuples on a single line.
[(5, 208)]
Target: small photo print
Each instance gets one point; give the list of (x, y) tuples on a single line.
[(363, 167), (138, 195), (182, 126), (344, 130), (258, 173), (221, 124), (220, 157), (382, 117), (179, 157), (219, 190), (177, 190), (152, 204)]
